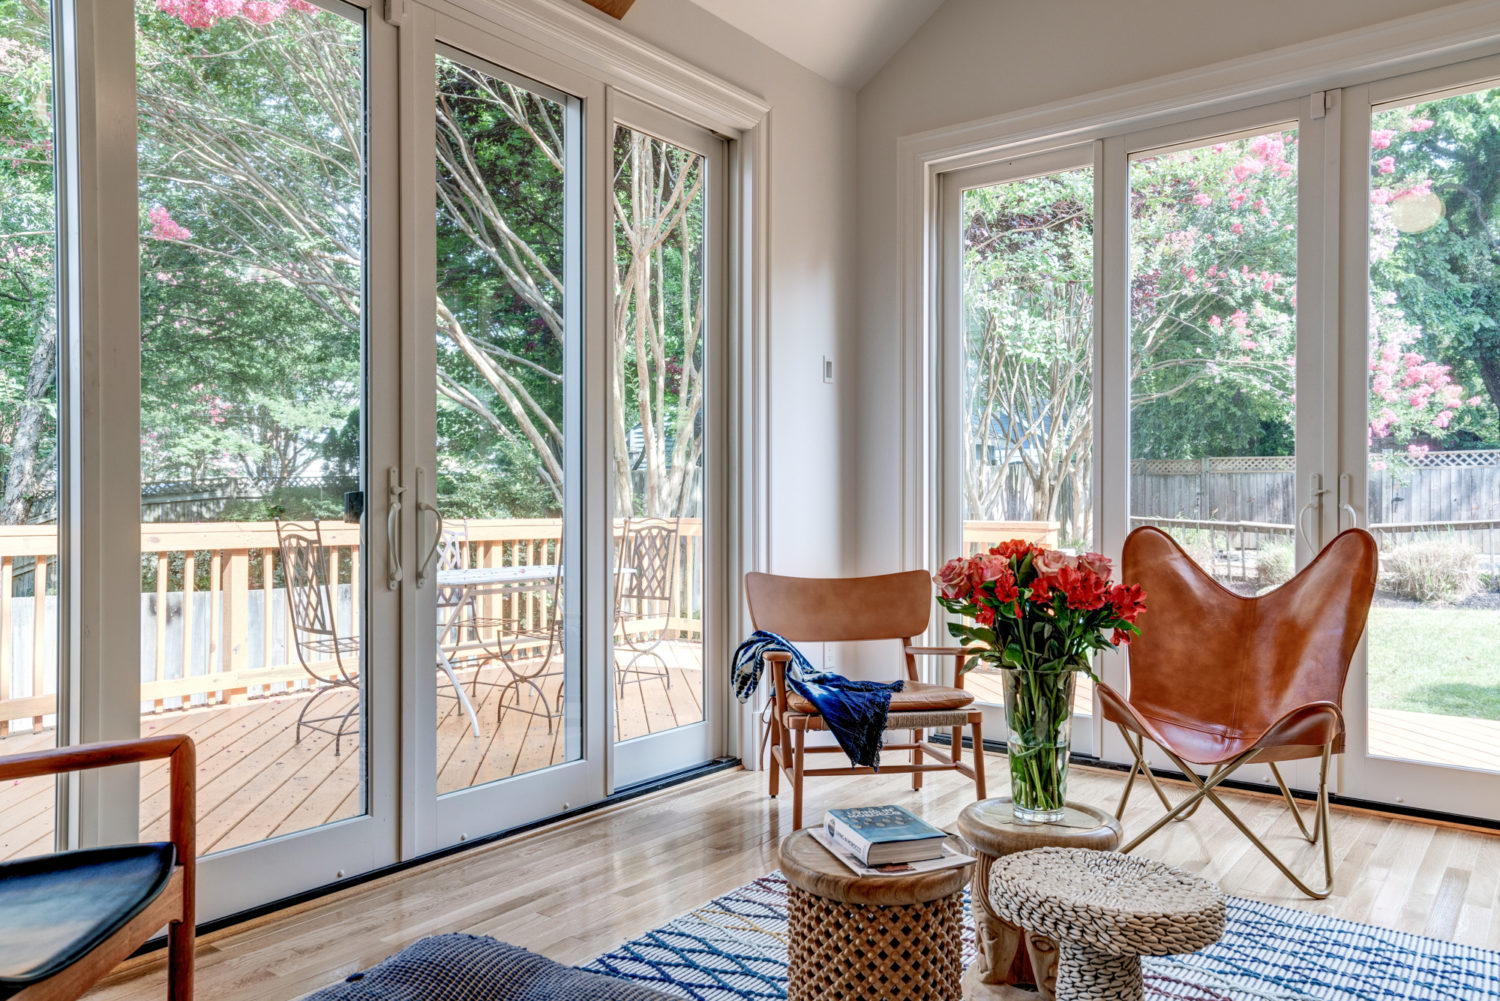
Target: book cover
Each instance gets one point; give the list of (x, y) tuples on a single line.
[(883, 824)]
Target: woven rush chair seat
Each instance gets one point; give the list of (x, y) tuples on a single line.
[(915, 696), (1106, 910)]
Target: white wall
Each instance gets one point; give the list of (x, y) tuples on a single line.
[(812, 271), (974, 59)]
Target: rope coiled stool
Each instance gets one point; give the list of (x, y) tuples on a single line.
[(1106, 911)]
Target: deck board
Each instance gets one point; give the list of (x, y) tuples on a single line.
[(256, 780)]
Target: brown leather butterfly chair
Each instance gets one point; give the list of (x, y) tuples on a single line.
[(891, 607), (1220, 680)]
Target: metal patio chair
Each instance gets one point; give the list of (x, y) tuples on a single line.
[(645, 598), (331, 660), (1220, 681)]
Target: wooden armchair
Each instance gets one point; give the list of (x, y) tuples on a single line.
[(1220, 681), (891, 607), (69, 918)]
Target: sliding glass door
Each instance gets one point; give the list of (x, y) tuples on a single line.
[(29, 420)]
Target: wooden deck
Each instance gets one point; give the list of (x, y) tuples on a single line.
[(257, 781)]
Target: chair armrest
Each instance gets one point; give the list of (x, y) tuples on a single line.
[(183, 762), (777, 657)]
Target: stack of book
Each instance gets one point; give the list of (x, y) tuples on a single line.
[(884, 835)]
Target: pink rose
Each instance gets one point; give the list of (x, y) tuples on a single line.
[(1097, 562), (953, 578), (990, 567), (1049, 561)]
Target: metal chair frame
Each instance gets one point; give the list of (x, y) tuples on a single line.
[(645, 589), (306, 566)]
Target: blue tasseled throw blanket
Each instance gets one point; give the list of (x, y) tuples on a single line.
[(855, 711), (478, 968)]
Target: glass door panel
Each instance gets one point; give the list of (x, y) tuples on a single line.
[(507, 679), (1433, 470), (28, 421), (661, 433), (1027, 424), (253, 215), (1213, 339)]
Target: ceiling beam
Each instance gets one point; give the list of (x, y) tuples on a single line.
[(614, 8)]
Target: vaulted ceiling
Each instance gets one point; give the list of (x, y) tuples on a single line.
[(846, 41)]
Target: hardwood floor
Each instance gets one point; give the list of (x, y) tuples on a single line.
[(575, 889)]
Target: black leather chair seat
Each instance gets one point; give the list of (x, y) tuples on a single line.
[(54, 909)]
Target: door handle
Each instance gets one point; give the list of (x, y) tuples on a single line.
[(429, 550), (1346, 495), (1314, 499), (393, 492)]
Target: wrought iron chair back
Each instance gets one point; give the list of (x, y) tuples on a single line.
[(309, 570), (645, 596)]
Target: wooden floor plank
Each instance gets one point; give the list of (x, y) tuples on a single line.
[(575, 889)]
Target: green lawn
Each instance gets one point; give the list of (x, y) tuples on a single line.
[(1436, 660)]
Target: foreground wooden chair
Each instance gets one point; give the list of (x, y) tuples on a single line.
[(1220, 681), (836, 610), (69, 918)]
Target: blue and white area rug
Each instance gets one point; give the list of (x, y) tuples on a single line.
[(735, 947)]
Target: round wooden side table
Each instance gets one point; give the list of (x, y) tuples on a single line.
[(1010, 962), (870, 938)]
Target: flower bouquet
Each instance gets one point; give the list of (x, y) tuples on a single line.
[(1038, 615)]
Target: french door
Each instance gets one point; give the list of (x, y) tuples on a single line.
[(1254, 331), (1416, 450)]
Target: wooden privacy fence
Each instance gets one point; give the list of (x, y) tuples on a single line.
[(215, 622), (1433, 488)]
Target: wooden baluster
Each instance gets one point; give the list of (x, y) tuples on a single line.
[(354, 589), (236, 600), (38, 633), (531, 593), (7, 572), (163, 575), (267, 609), (215, 610), (189, 585)]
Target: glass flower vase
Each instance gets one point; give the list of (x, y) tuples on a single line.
[(1039, 713)]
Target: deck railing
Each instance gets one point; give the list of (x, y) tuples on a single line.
[(215, 622)]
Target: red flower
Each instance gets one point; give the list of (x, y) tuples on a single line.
[(1041, 588), (1120, 638), (1005, 588), (1128, 601), (1085, 589), (986, 616), (1017, 549)]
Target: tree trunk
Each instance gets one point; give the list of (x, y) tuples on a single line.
[(23, 482)]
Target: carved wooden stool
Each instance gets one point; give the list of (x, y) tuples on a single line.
[(1106, 910), (1012, 962), (870, 938)]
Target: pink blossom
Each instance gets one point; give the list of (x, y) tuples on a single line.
[(1377, 465), (1418, 124), (1442, 419), (1237, 198), (164, 227), (207, 13), (1238, 318), (1415, 450), (1215, 322), (1386, 164), (1237, 228), (1473, 401), (1381, 138), (1249, 345), (1245, 168), (1381, 196), (1201, 199)]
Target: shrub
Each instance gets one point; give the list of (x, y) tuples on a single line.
[(1274, 565), (1434, 570)]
